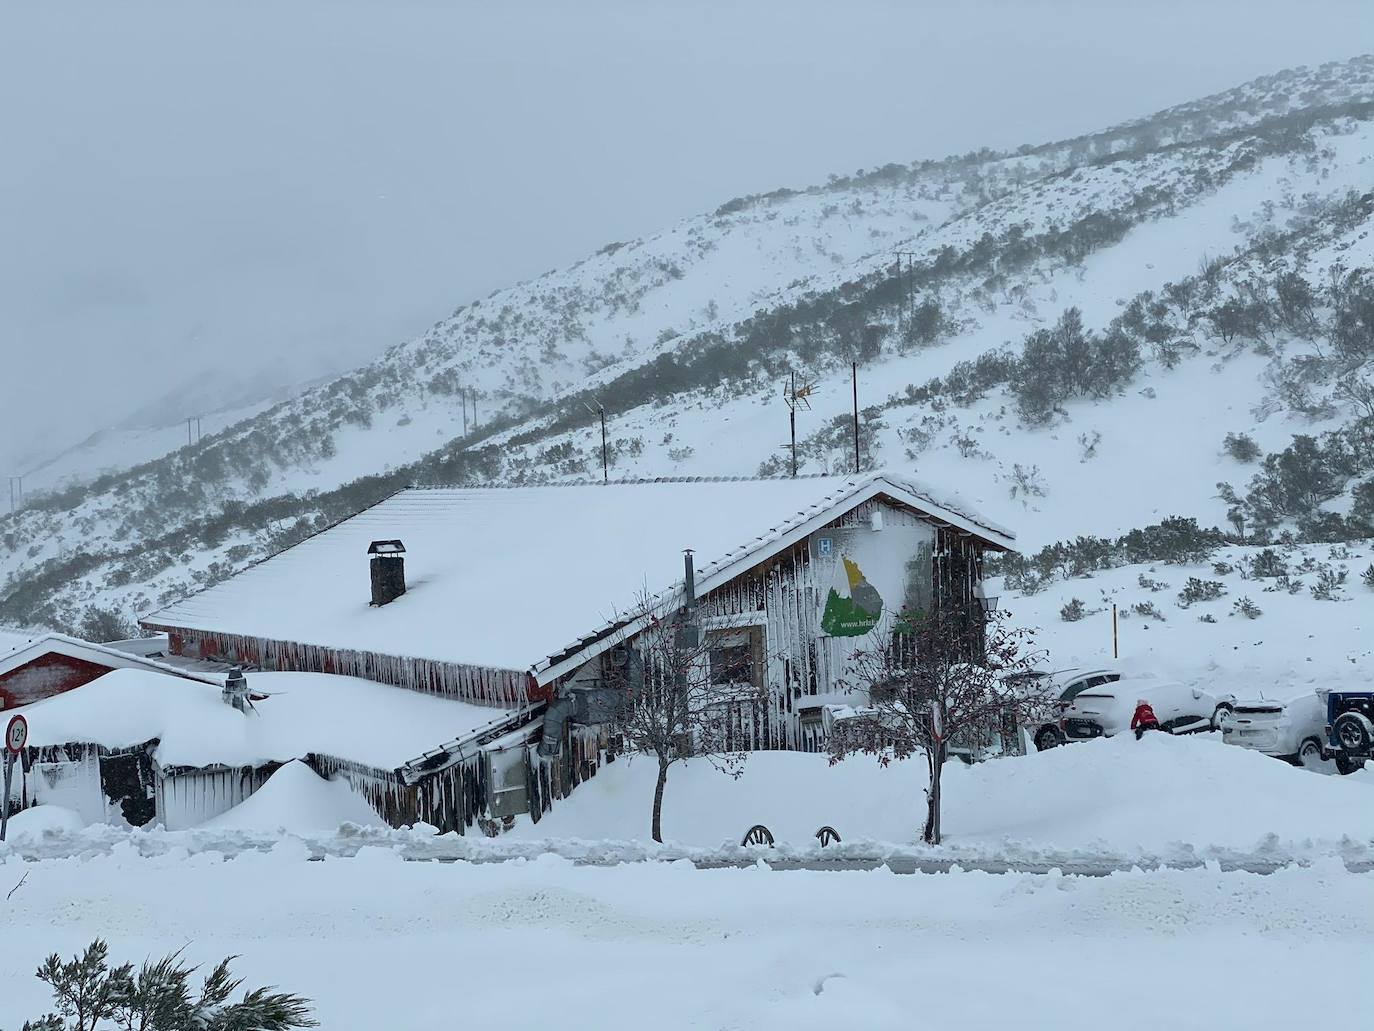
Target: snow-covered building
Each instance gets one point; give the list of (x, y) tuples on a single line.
[(51, 664), (512, 597), (169, 750)]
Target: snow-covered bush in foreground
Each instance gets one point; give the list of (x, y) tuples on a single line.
[(90, 995)]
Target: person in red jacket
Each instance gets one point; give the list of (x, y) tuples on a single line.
[(1144, 718)]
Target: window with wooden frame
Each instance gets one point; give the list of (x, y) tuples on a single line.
[(735, 656)]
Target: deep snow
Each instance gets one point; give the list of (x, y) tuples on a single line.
[(297, 800), (380, 943), (1117, 796)]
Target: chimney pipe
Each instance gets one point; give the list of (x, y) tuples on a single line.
[(235, 693), (388, 571), (688, 633)]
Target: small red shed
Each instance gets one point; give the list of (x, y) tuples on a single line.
[(54, 663)]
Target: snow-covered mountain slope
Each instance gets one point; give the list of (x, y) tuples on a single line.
[(1181, 239)]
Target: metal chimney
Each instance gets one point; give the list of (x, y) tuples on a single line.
[(235, 693), (388, 571), (689, 634)]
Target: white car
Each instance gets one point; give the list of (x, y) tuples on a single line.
[(1291, 731), (1059, 689), (1107, 710)]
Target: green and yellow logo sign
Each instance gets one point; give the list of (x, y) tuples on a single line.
[(853, 606)]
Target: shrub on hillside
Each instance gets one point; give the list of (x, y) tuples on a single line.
[(1241, 447), (1196, 590), (1073, 611), (1243, 606)]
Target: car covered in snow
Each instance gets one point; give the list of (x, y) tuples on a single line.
[(1291, 730), (1059, 689), (1107, 709), (1349, 728)]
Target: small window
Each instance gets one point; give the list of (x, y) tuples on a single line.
[(732, 656), (732, 664)]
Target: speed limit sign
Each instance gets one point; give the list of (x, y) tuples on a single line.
[(16, 734)]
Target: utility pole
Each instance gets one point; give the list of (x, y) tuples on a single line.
[(854, 375), (197, 429), (605, 454), (463, 396), (605, 451)]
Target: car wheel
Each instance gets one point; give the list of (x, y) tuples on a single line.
[(1048, 737), (1351, 732), (1221, 712), (1346, 765), (1310, 755)]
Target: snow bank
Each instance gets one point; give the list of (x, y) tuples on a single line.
[(296, 799), (347, 717), (380, 943), (41, 821), (1119, 795)]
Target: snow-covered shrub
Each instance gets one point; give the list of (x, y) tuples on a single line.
[(1073, 611), (1223, 568), (1368, 576), (1088, 445), (1149, 584), (1070, 361), (90, 995), (1026, 483), (1241, 447), (1206, 617), (1243, 606), (1196, 590), (1148, 609), (1268, 563), (1330, 581)]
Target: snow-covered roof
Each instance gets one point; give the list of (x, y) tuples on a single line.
[(346, 717), (503, 577), (16, 637), (87, 651)]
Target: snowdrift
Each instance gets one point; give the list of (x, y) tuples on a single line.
[(1119, 795), (42, 821), (296, 799)]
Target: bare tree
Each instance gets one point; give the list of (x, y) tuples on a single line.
[(942, 677), (678, 692)]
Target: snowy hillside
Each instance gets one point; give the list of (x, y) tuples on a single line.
[(1214, 254)]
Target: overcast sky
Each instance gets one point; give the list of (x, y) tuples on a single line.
[(196, 194)]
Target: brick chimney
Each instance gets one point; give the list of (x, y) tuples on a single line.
[(388, 571)]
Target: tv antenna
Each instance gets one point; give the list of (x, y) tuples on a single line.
[(795, 397)]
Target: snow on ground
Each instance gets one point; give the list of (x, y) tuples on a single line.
[(295, 799), (346, 717), (380, 943), (1297, 644), (40, 821), (1117, 796)]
